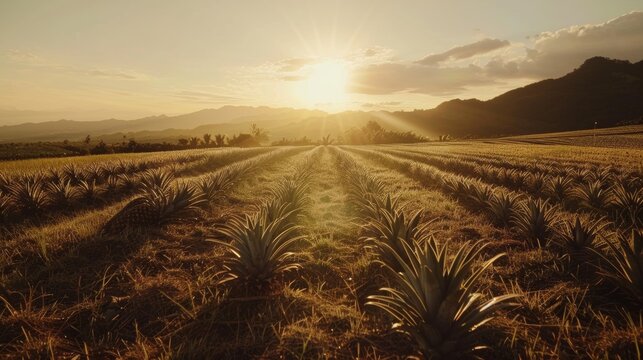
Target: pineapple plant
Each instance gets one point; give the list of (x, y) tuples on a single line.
[(480, 194), (152, 180), (128, 182), (5, 184), (536, 182), (112, 183), (156, 206), (625, 266), (62, 193), (374, 206), (535, 220), (392, 229), (436, 302), (592, 195), (559, 188), (259, 250), (6, 208), (71, 173), (628, 203), (214, 185), (88, 191), (580, 235), (501, 207), (30, 196)]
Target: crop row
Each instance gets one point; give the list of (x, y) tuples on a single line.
[(436, 292), (73, 189), (553, 167), (260, 246), (164, 199), (599, 192), (578, 159), (540, 224)]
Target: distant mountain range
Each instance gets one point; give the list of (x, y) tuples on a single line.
[(606, 91)]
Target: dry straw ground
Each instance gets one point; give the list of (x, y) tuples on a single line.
[(499, 250)]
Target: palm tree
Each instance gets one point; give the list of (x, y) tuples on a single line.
[(194, 141), (207, 138), (219, 140)]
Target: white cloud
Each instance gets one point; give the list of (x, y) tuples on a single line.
[(465, 51), (556, 53), (552, 54), (30, 59)]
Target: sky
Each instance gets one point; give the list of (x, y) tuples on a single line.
[(90, 60)]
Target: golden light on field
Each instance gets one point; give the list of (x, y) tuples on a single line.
[(326, 83)]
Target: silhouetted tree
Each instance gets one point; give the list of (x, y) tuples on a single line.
[(326, 140), (207, 138), (87, 140), (183, 142), (373, 133), (101, 148), (194, 141), (219, 140), (243, 140), (132, 145), (258, 133)]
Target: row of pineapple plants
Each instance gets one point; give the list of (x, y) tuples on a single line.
[(162, 198), (435, 299), (261, 246), (517, 173), (541, 224), (75, 188), (550, 166), (599, 192)]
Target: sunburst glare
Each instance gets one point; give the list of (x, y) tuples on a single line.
[(326, 83)]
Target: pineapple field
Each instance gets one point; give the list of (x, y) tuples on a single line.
[(496, 250)]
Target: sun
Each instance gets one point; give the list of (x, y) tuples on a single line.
[(326, 83)]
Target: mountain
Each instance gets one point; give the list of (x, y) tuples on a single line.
[(606, 91), (609, 92), (76, 130)]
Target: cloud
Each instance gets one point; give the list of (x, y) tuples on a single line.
[(556, 53), (395, 77), (204, 97), (295, 64), (381, 104), (21, 56), (111, 74), (550, 54), (29, 59), (465, 51)]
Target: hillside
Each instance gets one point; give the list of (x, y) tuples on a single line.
[(601, 90), (609, 92)]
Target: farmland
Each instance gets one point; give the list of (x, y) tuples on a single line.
[(532, 249)]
